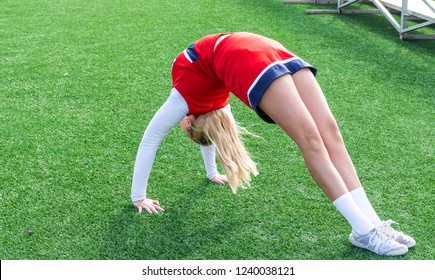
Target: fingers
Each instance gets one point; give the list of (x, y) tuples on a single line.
[(151, 210), (220, 179), (156, 206), (151, 206), (154, 209)]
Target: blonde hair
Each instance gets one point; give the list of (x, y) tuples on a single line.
[(218, 128)]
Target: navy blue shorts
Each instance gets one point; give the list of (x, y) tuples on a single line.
[(270, 74)]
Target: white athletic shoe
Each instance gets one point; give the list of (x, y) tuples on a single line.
[(378, 243), (399, 236)]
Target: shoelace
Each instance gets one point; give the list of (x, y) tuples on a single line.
[(380, 235), (386, 228)]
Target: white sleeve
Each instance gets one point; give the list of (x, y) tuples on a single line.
[(209, 157), (170, 114), (209, 154)]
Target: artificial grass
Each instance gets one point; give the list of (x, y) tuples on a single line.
[(80, 80)]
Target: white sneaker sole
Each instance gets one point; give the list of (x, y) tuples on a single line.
[(398, 252)]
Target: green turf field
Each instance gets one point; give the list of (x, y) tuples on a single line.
[(80, 80)]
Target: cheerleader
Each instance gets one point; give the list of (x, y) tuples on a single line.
[(282, 89)]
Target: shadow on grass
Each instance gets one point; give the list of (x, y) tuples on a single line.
[(175, 234), (193, 229), (378, 26)]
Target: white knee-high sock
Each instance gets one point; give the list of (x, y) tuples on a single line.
[(360, 198), (353, 214)]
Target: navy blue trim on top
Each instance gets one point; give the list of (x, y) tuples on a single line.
[(192, 53)]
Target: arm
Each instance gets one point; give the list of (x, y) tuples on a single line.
[(209, 157), (169, 115)]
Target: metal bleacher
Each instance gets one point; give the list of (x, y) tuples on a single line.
[(420, 12)]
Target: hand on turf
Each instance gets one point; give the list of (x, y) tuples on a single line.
[(220, 179), (149, 205)]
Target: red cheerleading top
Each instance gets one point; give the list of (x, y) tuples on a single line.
[(205, 74)]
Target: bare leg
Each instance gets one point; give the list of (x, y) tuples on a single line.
[(298, 106), (316, 103), (283, 103)]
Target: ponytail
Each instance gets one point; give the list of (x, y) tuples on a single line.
[(218, 128)]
